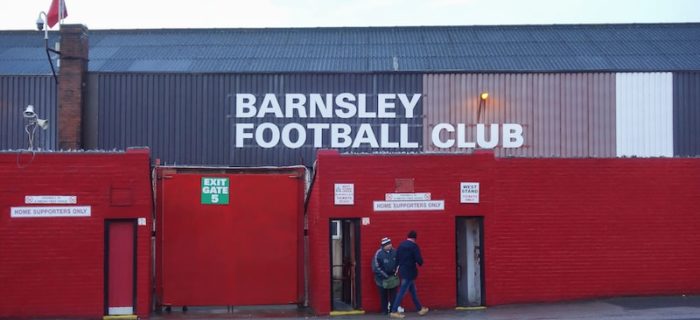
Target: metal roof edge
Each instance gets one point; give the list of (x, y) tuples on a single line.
[(417, 72), (499, 26)]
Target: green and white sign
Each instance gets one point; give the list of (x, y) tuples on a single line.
[(214, 190)]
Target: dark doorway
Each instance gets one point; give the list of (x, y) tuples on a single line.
[(470, 267), (345, 264)]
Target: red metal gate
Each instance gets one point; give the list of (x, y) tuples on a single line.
[(240, 245)]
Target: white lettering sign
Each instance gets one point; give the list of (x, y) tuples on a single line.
[(469, 192), (434, 205), (49, 212), (50, 199), (343, 105), (347, 105), (443, 136), (344, 194), (407, 196)]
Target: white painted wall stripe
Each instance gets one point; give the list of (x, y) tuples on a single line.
[(644, 114)]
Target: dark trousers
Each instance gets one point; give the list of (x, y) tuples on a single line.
[(406, 285), (385, 296)]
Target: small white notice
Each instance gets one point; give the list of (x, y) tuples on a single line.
[(434, 205), (344, 194), (50, 199), (407, 196), (469, 192), (50, 212), (365, 221), (142, 221)]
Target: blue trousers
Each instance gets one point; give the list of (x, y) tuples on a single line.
[(406, 285)]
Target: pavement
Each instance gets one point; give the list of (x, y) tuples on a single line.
[(627, 308)]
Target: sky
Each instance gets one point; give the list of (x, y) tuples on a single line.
[(157, 14)]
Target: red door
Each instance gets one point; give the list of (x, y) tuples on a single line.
[(121, 254)]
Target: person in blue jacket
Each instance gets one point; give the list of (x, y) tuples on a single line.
[(384, 266), (408, 257)]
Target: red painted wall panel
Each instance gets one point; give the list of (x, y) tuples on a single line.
[(571, 229), (246, 252), (373, 177), (54, 267), (554, 229)]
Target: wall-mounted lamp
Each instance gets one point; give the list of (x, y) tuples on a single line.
[(482, 104), (33, 118), (33, 121), (29, 112)]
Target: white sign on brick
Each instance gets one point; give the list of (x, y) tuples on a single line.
[(407, 196), (434, 205), (50, 212), (50, 199), (469, 192), (344, 194)]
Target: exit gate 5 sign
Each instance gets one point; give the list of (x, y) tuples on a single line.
[(214, 190)]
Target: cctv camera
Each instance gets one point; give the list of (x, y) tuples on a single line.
[(40, 23), (29, 112), (42, 123)]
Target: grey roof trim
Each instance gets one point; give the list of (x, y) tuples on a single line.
[(436, 49)]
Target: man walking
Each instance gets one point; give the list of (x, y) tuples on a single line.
[(408, 256)]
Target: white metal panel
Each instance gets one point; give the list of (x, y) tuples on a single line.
[(644, 114), (121, 310), (474, 262)]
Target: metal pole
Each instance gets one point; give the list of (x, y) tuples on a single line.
[(60, 12), (46, 44)]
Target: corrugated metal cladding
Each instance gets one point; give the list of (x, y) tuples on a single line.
[(686, 114), (181, 117), (644, 114), (16, 92), (189, 118), (562, 114)]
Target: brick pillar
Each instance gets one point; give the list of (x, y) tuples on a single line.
[(72, 78)]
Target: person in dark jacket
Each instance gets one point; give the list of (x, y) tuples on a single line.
[(408, 257), (384, 266)]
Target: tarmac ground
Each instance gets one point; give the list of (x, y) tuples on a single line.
[(624, 308)]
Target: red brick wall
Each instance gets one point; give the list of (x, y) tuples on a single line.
[(571, 229), (72, 85), (555, 229), (54, 267), (317, 265), (374, 176)]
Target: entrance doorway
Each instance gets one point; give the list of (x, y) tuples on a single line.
[(345, 264), (470, 267), (120, 267)]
